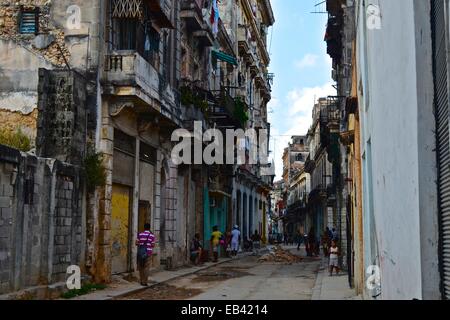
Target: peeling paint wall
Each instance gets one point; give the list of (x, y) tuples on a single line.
[(55, 46)]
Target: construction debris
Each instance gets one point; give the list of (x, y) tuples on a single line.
[(280, 255)]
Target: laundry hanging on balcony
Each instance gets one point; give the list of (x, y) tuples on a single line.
[(215, 17), (127, 9), (224, 57)]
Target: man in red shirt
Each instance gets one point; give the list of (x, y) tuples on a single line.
[(145, 243)]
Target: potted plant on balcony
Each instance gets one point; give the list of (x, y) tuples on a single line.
[(239, 111)]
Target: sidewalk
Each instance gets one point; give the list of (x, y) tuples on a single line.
[(121, 288), (332, 288)]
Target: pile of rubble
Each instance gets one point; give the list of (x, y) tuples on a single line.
[(278, 254)]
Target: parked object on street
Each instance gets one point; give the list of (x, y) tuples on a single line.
[(145, 243)]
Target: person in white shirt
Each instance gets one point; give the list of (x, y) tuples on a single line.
[(334, 258), (235, 239)]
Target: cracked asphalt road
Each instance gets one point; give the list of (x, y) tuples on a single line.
[(247, 279)]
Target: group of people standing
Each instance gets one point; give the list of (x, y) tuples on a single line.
[(228, 242), (329, 241)]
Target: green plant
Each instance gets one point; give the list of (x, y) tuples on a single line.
[(95, 171), (204, 106), (85, 289), (15, 139), (239, 111), (187, 98)]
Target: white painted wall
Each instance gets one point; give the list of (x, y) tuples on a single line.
[(395, 91)]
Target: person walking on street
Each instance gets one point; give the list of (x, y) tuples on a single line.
[(145, 243), (227, 244), (299, 240), (334, 258), (216, 235), (196, 249), (235, 240)]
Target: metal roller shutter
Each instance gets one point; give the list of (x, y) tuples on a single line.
[(440, 70)]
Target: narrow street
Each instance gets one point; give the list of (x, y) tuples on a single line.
[(243, 279)]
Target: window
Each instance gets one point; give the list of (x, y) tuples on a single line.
[(127, 32), (148, 153), (29, 21)]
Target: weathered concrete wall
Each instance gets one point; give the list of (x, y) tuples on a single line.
[(58, 45), (41, 222), (398, 139)]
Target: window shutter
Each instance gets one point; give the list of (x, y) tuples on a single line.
[(29, 21)]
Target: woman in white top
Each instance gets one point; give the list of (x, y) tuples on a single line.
[(334, 258)]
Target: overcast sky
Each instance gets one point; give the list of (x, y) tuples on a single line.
[(302, 71)]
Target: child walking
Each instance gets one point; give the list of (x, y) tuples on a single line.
[(334, 258)]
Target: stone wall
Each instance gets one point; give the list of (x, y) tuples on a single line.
[(41, 221), (62, 116)]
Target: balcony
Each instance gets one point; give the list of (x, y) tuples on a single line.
[(318, 192), (310, 165), (243, 40), (333, 38), (227, 112), (249, 58), (129, 74), (192, 15), (161, 12), (260, 81), (254, 69), (204, 37), (334, 7)]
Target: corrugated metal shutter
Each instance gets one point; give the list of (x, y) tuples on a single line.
[(443, 136)]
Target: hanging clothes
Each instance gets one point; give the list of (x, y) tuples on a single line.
[(215, 16)]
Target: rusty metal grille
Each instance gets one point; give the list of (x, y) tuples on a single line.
[(127, 9)]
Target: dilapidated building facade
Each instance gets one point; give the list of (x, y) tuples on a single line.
[(115, 79)]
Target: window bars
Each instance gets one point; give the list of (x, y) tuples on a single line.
[(127, 9)]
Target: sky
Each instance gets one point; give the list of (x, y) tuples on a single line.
[(302, 71)]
